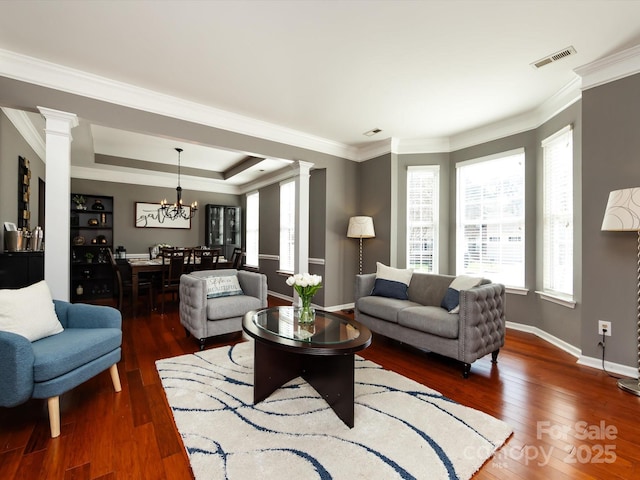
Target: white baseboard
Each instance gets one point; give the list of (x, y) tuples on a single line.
[(592, 362)]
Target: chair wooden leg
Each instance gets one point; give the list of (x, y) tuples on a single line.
[(54, 416), (115, 378)]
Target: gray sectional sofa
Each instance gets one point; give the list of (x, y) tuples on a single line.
[(420, 321)]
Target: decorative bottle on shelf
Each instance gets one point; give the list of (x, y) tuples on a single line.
[(79, 289)]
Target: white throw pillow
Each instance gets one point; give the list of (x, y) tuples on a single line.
[(223, 286), (29, 312), (394, 274)]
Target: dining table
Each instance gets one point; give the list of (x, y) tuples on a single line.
[(156, 265)]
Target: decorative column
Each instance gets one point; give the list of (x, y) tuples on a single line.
[(57, 199), (301, 250)]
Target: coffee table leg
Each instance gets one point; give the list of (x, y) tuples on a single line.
[(272, 369), (333, 378)]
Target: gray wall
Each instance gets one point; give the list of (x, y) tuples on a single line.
[(376, 187), (12, 146), (138, 240), (610, 161), (606, 127)]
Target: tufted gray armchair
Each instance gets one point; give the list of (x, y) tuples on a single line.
[(205, 317)]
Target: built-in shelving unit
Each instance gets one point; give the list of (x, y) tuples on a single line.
[(91, 232)]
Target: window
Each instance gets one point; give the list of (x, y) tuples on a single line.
[(558, 213), (422, 218), (253, 229), (490, 220), (287, 225)]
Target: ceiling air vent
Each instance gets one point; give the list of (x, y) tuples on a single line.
[(554, 57)]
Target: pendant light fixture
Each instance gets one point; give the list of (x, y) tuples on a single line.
[(178, 210)]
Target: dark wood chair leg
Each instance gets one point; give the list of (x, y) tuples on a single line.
[(494, 356), (466, 370)]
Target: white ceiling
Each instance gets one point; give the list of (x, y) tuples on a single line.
[(327, 69)]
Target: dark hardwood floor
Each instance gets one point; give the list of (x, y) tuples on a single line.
[(569, 421)]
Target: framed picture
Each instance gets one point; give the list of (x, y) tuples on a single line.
[(149, 215)]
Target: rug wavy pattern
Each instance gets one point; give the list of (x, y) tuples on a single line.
[(402, 429)]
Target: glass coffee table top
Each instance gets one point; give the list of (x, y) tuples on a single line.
[(327, 329)]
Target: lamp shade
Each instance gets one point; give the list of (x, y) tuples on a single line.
[(623, 211), (361, 227)]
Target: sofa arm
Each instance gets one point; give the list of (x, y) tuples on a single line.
[(364, 285), (482, 321), (193, 304), (83, 315), (16, 374), (254, 284)]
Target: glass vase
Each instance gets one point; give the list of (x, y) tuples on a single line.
[(306, 313)]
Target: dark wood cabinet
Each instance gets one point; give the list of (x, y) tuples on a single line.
[(223, 228), (91, 234), (21, 269)]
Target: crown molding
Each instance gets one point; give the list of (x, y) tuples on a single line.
[(32, 70), (561, 100), (136, 177), (423, 145), (51, 75), (611, 68), (28, 131)]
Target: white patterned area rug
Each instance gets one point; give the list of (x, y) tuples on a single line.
[(402, 429)]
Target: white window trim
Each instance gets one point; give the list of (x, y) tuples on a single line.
[(519, 290), (254, 192), (290, 181), (436, 215), (553, 296)]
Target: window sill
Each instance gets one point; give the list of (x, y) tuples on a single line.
[(517, 290), (554, 298)]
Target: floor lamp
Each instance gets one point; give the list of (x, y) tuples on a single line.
[(623, 215), (361, 227)]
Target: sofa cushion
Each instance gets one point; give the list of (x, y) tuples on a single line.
[(383, 308), (451, 300), (29, 312), (66, 351), (392, 282), (433, 320), (229, 307), (223, 286)]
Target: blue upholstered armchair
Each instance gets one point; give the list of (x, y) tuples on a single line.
[(89, 344)]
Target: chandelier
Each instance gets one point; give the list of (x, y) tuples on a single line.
[(177, 210)]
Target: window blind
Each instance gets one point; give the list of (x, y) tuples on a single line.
[(558, 213), (422, 218), (253, 229), (287, 225), (490, 218)]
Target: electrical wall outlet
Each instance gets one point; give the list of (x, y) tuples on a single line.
[(602, 326)]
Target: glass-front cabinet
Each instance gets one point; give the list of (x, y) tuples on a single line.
[(91, 234), (223, 228)]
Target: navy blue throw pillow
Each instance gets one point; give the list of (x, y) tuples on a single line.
[(451, 299), (390, 289)]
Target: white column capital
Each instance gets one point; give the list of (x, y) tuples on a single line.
[(58, 122), (301, 167)]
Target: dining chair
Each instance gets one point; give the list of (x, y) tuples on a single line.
[(237, 258), (174, 261), (122, 276), (205, 258)]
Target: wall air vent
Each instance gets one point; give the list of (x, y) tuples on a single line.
[(554, 57)]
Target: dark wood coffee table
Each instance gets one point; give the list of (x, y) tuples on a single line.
[(321, 353)]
